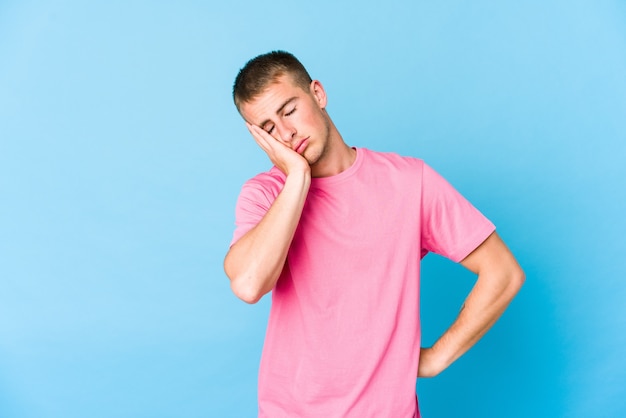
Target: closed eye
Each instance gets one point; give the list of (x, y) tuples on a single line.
[(290, 112)]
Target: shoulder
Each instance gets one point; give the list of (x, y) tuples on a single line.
[(271, 178), (265, 185), (392, 161)]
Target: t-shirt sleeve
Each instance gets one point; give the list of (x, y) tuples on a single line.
[(451, 225), (254, 201)]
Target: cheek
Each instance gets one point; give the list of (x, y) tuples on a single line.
[(314, 120)]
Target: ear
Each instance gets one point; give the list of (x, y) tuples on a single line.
[(318, 92)]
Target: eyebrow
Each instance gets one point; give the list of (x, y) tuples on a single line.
[(280, 109)]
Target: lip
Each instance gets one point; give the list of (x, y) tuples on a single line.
[(301, 145)]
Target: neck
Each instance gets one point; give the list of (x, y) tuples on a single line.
[(337, 157)]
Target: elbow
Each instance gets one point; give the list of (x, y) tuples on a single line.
[(243, 286), (520, 276), (517, 279), (245, 292), (246, 282)]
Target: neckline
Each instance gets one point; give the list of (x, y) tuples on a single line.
[(345, 174)]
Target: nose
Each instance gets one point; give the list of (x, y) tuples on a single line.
[(286, 132)]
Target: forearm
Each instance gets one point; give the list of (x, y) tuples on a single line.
[(499, 279), (482, 308), (254, 263)]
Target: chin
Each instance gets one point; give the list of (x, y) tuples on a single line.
[(311, 159)]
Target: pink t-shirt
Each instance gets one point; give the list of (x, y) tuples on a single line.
[(343, 336)]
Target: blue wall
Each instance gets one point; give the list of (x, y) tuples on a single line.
[(121, 157)]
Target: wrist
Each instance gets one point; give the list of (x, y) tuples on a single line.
[(298, 182), (432, 362), (299, 175)]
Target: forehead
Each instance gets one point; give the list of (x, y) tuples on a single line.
[(269, 102)]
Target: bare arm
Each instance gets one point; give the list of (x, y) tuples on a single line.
[(254, 263), (499, 279)]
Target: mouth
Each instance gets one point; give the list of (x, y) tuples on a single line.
[(301, 145)]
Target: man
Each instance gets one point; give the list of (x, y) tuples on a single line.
[(336, 233)]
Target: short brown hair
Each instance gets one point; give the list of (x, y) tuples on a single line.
[(264, 69)]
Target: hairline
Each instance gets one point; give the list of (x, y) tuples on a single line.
[(275, 79)]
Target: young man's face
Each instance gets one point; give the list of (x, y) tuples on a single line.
[(293, 116)]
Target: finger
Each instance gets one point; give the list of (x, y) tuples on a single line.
[(270, 143), (257, 130), (259, 138)]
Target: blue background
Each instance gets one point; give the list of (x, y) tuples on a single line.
[(121, 157)]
